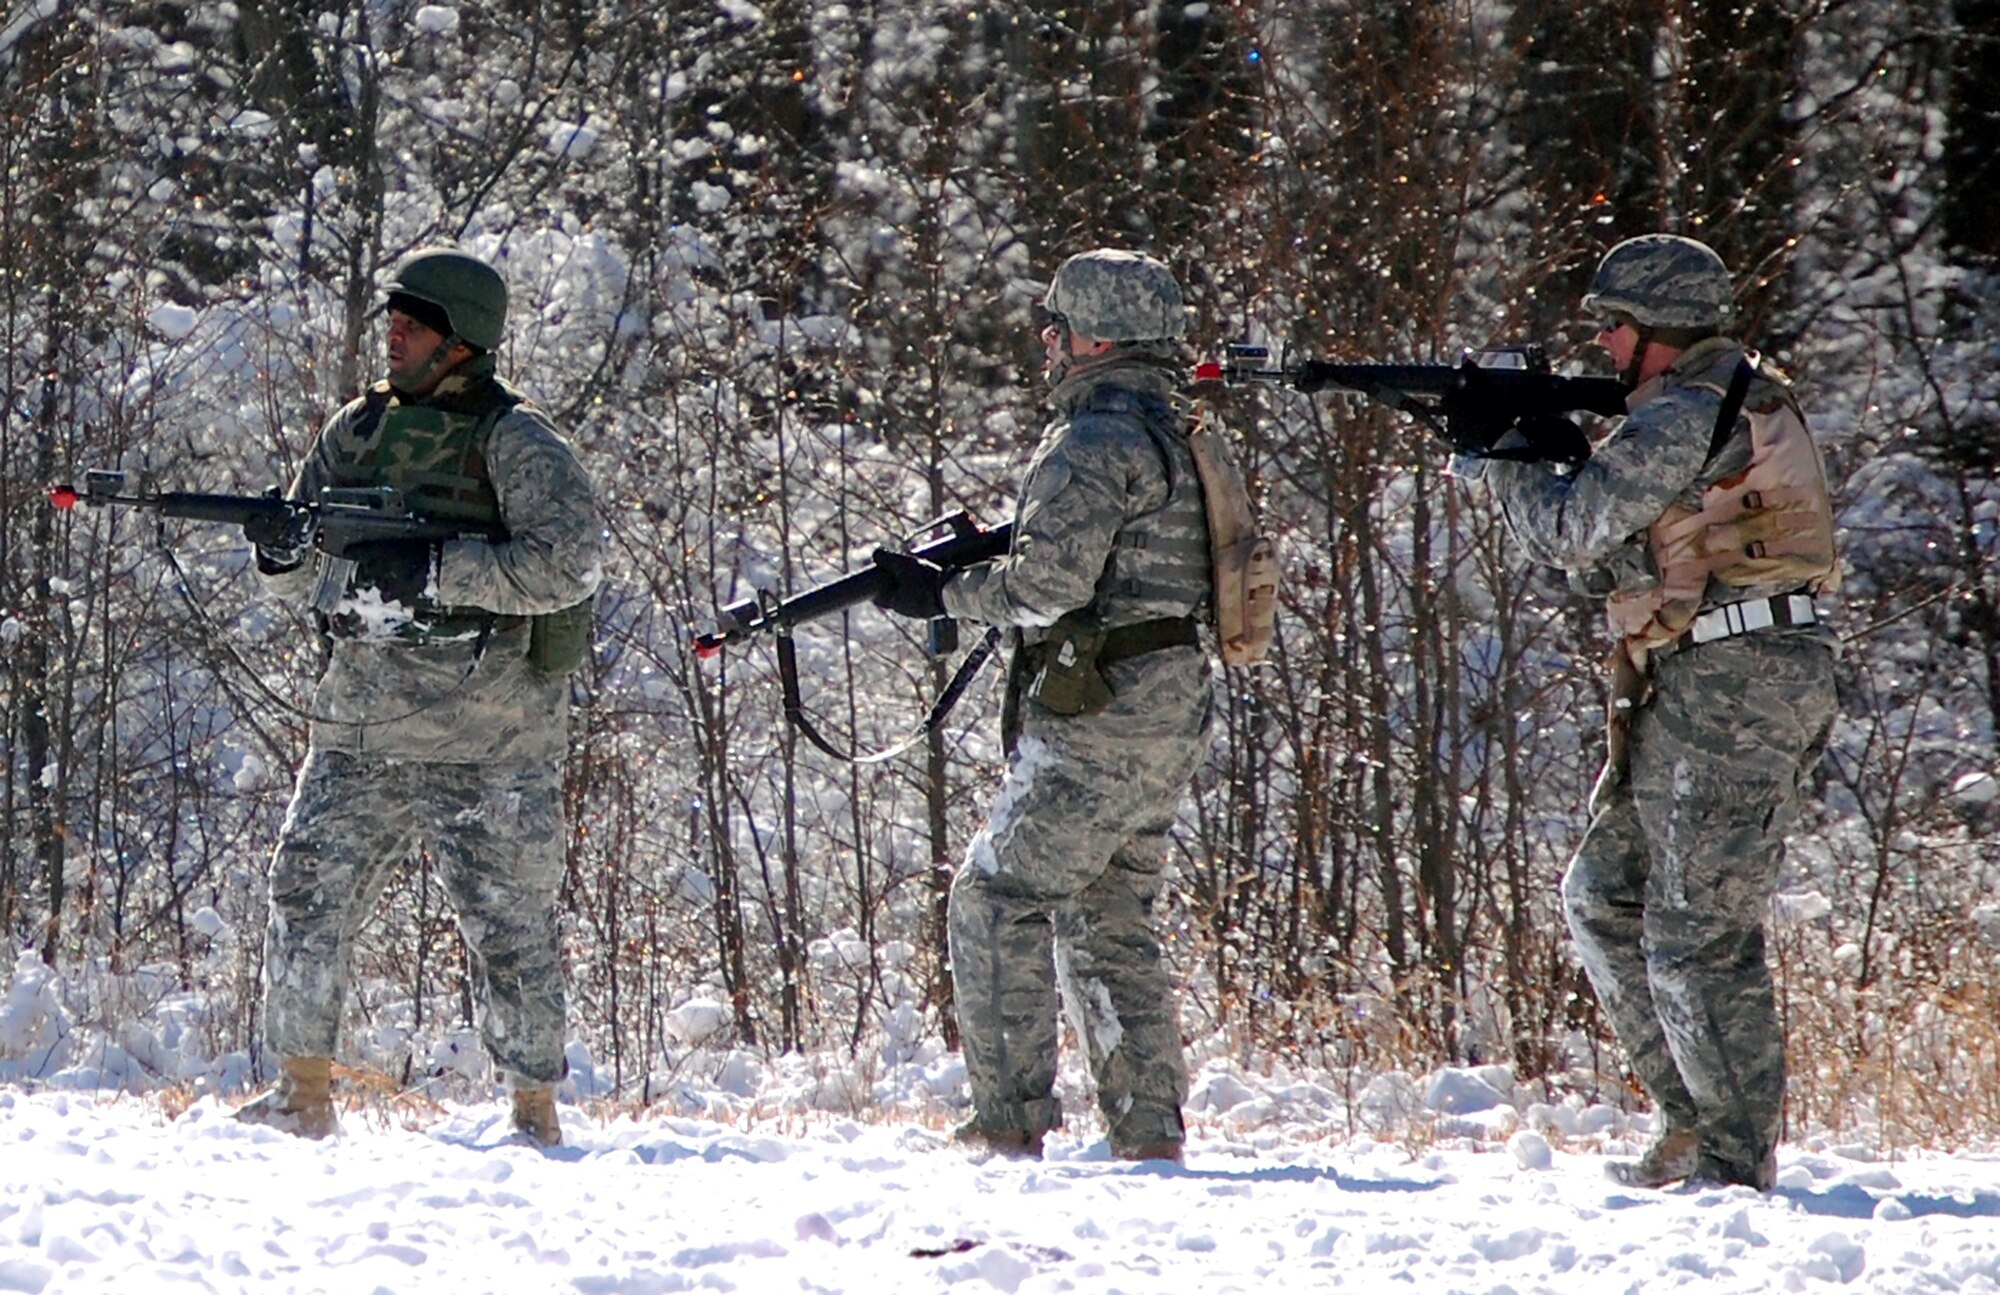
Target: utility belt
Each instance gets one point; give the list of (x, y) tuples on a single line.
[(1733, 619), (558, 642), (451, 623), (1630, 687), (1065, 670)]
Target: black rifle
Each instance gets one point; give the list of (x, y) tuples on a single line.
[(954, 543), (342, 518), (1502, 402)]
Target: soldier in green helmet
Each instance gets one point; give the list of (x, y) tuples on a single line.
[(1107, 716), (440, 722)]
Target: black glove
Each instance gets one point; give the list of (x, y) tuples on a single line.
[(280, 538), (400, 571), (1547, 438), (910, 586)]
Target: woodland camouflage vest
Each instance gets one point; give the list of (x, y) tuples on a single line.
[(433, 453)]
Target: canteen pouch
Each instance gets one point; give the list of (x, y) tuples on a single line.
[(559, 642)]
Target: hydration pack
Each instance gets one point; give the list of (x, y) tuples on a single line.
[(1244, 561)]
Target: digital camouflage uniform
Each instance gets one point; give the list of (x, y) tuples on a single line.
[(1667, 892), (1057, 892), (451, 740)]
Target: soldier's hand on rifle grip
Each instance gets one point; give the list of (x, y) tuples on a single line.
[(910, 586), (401, 571), (1549, 438), (280, 538)]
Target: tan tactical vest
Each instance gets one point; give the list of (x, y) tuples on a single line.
[(1768, 528)]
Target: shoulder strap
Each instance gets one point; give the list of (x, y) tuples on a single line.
[(1157, 434), (499, 399), (1732, 406)]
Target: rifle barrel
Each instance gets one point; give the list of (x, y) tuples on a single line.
[(235, 509), (1412, 379)]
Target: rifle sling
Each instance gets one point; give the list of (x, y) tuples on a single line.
[(795, 711), (227, 646)]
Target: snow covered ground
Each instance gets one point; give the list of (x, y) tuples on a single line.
[(108, 1194)]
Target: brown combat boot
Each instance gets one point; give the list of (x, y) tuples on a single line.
[(535, 1115), (1674, 1155), (1713, 1170), (301, 1102), (1164, 1149), (1009, 1144)]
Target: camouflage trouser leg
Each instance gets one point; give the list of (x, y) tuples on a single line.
[(496, 832), (346, 827), (1717, 761), (1004, 991), (1071, 859), (1604, 894), (499, 846), (1115, 988)]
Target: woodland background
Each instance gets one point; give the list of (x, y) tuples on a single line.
[(774, 270)]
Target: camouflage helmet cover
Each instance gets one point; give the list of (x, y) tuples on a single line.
[(468, 290), (1116, 296), (1663, 281)]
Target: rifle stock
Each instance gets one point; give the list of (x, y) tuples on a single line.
[(961, 545)]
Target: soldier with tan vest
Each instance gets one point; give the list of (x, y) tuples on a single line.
[(1706, 523), (440, 721)]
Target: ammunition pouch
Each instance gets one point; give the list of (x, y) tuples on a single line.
[(1065, 670)]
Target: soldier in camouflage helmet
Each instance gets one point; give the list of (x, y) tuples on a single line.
[(1107, 716), (441, 719), (1671, 290), (1706, 523)]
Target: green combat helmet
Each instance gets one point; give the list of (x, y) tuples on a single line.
[(1117, 296), (1663, 281), (470, 292)]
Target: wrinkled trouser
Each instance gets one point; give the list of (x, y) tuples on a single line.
[(496, 832), (1669, 888), (1055, 904)]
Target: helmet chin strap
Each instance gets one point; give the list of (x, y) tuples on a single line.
[(424, 378), (1065, 360), (1630, 377), (1071, 364)]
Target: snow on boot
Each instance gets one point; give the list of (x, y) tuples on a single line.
[(535, 1115), (300, 1103), (1673, 1155)]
